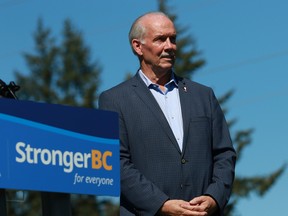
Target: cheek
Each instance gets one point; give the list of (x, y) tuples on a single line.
[(158, 52), (152, 53)]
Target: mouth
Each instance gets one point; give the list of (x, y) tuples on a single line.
[(168, 57)]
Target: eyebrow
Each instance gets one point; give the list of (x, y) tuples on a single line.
[(165, 35)]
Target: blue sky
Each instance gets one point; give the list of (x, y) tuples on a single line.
[(244, 43)]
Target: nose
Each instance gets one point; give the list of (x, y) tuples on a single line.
[(168, 43)]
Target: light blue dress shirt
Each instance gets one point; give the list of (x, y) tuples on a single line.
[(169, 102)]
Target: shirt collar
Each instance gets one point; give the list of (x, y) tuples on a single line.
[(149, 83)]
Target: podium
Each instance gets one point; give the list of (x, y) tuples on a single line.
[(58, 150)]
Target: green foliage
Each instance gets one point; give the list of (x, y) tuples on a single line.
[(261, 184), (61, 74), (39, 84), (78, 78), (245, 186), (186, 64)]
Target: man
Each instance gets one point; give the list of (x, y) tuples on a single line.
[(176, 152)]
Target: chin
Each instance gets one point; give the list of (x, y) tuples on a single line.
[(167, 66), (165, 70)]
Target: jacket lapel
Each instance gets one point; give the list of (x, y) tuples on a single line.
[(146, 96), (185, 108)]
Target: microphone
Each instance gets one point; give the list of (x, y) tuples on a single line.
[(8, 91)]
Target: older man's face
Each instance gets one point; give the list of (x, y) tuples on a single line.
[(159, 47)]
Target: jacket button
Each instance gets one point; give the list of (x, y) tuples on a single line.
[(183, 161)]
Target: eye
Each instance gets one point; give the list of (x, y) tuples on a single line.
[(173, 39), (161, 38)]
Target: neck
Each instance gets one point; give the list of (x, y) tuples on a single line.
[(158, 77)]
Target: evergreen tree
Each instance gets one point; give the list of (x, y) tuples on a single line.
[(186, 65), (60, 74), (78, 78), (39, 85)]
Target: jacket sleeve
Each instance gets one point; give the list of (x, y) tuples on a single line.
[(224, 157)]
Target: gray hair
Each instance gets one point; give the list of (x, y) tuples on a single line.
[(137, 30)]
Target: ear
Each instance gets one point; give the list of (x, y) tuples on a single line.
[(137, 46)]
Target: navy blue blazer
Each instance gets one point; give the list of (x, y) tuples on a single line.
[(153, 168)]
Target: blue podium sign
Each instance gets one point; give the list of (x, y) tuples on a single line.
[(58, 148)]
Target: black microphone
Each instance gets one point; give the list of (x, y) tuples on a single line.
[(8, 91)]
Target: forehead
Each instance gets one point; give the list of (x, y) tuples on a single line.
[(159, 25)]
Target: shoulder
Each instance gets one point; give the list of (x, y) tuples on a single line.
[(194, 86), (118, 94), (121, 87)]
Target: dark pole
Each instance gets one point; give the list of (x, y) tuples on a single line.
[(3, 206), (55, 204)]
